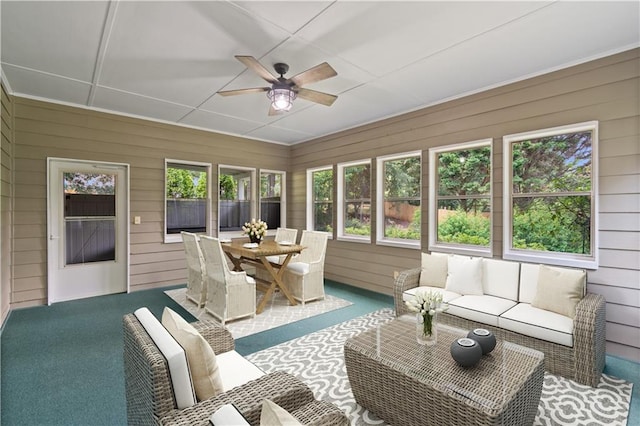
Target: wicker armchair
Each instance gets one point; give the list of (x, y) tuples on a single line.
[(583, 362), (230, 294), (150, 398), (304, 275), (196, 288)]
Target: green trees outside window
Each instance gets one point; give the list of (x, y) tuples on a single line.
[(357, 200), (401, 203), (463, 196), (551, 193)]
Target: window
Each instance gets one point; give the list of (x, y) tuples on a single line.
[(398, 208), (186, 198), (354, 198), (320, 199), (550, 192), (272, 198), (460, 198), (236, 199)]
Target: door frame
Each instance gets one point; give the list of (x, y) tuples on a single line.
[(125, 221)]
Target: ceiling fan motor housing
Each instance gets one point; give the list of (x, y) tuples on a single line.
[(281, 68)]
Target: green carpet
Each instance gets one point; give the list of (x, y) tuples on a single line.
[(62, 364)]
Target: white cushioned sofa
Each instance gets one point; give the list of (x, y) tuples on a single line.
[(538, 306)]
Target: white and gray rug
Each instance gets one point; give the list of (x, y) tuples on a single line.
[(317, 359), (277, 312)]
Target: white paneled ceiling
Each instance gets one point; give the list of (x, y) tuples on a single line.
[(166, 60)]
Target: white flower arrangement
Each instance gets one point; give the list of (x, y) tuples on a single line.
[(256, 229), (427, 304)]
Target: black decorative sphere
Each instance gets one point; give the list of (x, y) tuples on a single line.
[(467, 352), (485, 338)]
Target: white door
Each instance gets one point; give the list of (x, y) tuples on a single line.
[(87, 225)]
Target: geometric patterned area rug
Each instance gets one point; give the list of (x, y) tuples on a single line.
[(318, 360), (277, 312)]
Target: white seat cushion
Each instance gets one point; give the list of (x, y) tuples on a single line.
[(175, 356), (484, 309), (501, 278), (300, 268), (235, 370), (546, 325), (273, 259), (250, 280), (202, 359), (447, 296)]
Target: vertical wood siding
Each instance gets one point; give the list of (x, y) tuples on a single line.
[(50, 130), (6, 152), (606, 90)]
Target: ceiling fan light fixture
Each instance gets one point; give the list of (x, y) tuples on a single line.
[(281, 98)]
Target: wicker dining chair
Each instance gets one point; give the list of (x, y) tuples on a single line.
[(230, 294), (283, 235), (196, 288), (304, 275)]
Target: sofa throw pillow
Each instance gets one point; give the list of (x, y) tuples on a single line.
[(434, 270), (202, 360), (559, 290), (274, 415), (464, 275)]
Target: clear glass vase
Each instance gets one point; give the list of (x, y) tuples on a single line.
[(426, 329)]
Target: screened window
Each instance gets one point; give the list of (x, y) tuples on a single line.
[(236, 199), (272, 198), (354, 196), (398, 211), (320, 199), (550, 195), (187, 198), (460, 198)]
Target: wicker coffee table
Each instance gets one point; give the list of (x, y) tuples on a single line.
[(408, 384)]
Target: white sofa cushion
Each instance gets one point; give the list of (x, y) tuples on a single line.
[(501, 278), (204, 370), (464, 275), (484, 309), (235, 370), (174, 354), (447, 296), (434, 270), (528, 282), (559, 290), (539, 323)]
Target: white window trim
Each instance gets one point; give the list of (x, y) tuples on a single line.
[(380, 238), (254, 197), (283, 198), (552, 258), (467, 249), (177, 238), (340, 204), (310, 197)]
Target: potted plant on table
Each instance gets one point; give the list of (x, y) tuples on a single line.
[(256, 230)]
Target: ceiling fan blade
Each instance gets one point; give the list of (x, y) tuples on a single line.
[(243, 91), (317, 97), (317, 73), (253, 64), (273, 111)]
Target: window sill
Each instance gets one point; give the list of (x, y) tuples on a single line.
[(461, 250), (415, 245), (557, 259), (350, 239)]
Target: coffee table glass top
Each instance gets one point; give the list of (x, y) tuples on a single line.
[(488, 385)]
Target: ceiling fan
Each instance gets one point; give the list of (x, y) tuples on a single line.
[(284, 90)]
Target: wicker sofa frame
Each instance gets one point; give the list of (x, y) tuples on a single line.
[(583, 362), (150, 398)]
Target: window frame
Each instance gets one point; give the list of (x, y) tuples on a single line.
[(552, 258), (381, 239), (434, 244), (177, 238), (283, 197), (341, 236), (311, 198), (253, 193)]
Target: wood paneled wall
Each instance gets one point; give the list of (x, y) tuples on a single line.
[(6, 161), (50, 130), (607, 90)]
